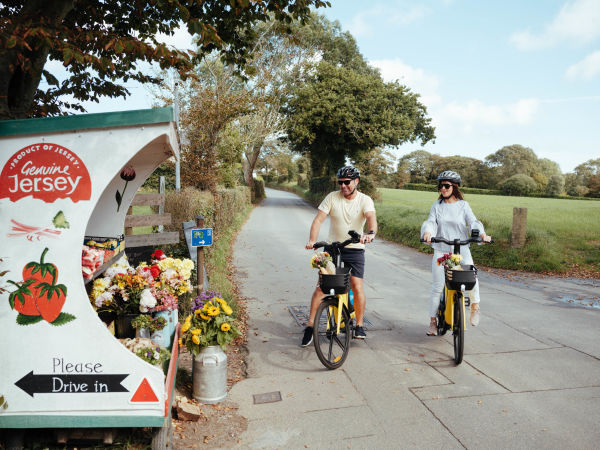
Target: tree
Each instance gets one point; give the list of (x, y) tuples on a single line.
[(511, 160), (556, 185), (211, 101), (419, 165), (338, 113), (519, 184), (101, 44)]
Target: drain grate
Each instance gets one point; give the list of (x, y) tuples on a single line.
[(301, 313)]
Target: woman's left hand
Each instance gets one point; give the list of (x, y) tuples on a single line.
[(486, 238)]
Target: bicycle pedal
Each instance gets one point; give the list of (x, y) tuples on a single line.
[(467, 301)]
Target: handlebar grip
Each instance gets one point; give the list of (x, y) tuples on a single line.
[(317, 245)]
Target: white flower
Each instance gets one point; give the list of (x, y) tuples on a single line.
[(104, 297), (147, 300), (156, 355)]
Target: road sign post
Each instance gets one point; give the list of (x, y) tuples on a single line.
[(201, 237)]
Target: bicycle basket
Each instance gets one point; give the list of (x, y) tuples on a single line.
[(466, 276), (340, 282)]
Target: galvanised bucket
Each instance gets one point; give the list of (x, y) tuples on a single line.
[(209, 375)]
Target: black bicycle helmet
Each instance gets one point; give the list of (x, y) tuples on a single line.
[(449, 175), (348, 172)]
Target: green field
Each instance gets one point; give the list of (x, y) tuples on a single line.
[(561, 234)]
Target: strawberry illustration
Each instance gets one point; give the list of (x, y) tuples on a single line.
[(23, 299), (46, 272), (50, 300)]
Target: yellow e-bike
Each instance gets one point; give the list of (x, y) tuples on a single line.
[(334, 318), (451, 312)]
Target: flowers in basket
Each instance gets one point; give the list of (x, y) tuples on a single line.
[(147, 321), (211, 323), (146, 288), (323, 262), (450, 260)]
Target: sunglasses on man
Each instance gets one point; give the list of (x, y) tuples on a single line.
[(346, 182), (444, 185)]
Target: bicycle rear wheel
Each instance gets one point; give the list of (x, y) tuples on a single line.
[(332, 347), (458, 328)]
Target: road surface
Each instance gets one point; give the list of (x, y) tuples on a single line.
[(530, 376)]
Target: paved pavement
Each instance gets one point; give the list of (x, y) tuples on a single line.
[(530, 376)]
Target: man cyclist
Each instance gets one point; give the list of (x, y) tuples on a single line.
[(348, 209)]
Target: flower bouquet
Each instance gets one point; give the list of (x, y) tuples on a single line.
[(211, 323), (450, 261), (323, 262), (150, 323), (155, 355), (145, 288)]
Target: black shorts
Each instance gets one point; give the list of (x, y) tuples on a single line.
[(355, 259)]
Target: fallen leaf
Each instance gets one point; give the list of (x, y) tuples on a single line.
[(407, 369), (422, 354)]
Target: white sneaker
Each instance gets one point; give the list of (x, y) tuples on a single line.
[(474, 319)]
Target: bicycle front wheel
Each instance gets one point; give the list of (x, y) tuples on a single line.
[(332, 347), (458, 328)]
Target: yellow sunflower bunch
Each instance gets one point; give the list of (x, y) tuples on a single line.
[(210, 324)]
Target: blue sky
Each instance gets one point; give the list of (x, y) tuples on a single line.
[(490, 73)]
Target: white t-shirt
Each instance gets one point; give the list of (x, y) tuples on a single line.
[(346, 215)]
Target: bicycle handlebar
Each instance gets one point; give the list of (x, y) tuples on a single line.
[(457, 243), (354, 239)]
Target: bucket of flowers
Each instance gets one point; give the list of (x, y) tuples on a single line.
[(146, 325), (206, 333)]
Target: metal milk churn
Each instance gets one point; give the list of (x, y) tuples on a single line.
[(209, 375)]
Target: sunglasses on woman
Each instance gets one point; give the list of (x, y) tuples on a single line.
[(346, 182), (444, 185)]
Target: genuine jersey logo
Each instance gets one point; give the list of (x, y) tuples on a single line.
[(46, 172)]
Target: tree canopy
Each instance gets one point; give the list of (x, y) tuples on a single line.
[(339, 113), (101, 43)]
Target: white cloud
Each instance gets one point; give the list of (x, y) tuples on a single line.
[(366, 22), (475, 112), (181, 39), (577, 21), (586, 69), (406, 15), (416, 79)]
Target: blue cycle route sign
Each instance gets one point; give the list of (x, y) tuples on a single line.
[(202, 237)]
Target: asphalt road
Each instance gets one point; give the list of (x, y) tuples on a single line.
[(530, 376)]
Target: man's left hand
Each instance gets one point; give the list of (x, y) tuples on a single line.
[(367, 238)]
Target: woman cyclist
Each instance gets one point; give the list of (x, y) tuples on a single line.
[(451, 218)]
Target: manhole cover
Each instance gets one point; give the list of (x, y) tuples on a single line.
[(268, 397)]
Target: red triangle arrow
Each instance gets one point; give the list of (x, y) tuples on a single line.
[(144, 393)]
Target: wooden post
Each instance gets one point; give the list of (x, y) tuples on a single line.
[(200, 257), (161, 207), (519, 227), (129, 230)]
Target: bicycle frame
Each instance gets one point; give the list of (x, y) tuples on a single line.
[(449, 311)]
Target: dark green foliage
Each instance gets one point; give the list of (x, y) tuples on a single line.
[(322, 185), (519, 184), (166, 169), (101, 44), (259, 191)]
